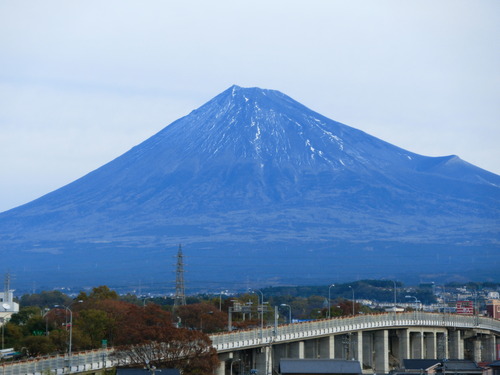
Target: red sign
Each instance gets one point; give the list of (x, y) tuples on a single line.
[(465, 307)]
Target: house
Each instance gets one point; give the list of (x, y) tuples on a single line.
[(420, 366), (319, 367), (440, 366), (493, 308)]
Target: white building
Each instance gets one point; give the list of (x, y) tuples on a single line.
[(7, 303)]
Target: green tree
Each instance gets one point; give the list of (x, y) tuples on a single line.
[(103, 292), (25, 314), (38, 345), (13, 336), (45, 299), (94, 325)]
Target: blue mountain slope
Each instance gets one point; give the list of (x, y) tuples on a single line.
[(252, 168)]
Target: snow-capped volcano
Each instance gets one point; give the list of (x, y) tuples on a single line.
[(250, 171)]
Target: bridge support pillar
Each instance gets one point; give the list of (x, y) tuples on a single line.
[(476, 344), (368, 349), (442, 345), (326, 347), (221, 370), (339, 346), (404, 345), (456, 344), (297, 350), (281, 351), (263, 360), (416, 345), (381, 351), (430, 345), (489, 347), (358, 346), (311, 349)]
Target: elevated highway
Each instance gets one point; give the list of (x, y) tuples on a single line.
[(378, 341)]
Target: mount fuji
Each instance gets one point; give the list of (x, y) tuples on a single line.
[(260, 189)]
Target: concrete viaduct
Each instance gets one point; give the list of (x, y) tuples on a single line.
[(380, 342)]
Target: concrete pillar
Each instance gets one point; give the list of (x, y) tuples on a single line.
[(263, 360), (221, 370), (311, 349), (381, 340), (339, 346), (416, 345), (224, 358), (442, 345), (489, 348), (297, 350), (368, 349), (358, 346), (327, 347), (280, 351), (476, 352), (456, 348), (430, 345), (404, 345)]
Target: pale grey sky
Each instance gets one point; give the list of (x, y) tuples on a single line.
[(81, 82)]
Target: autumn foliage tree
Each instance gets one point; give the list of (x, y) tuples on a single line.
[(150, 337), (202, 316)]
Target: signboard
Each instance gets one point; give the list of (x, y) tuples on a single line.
[(465, 307)]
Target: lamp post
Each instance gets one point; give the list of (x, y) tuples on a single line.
[(329, 300), (289, 312), (233, 362), (415, 300), (353, 300), (70, 327), (66, 308)]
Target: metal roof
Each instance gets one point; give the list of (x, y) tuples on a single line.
[(319, 366), (417, 364), (144, 371)]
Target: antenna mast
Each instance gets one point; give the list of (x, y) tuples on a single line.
[(180, 296)]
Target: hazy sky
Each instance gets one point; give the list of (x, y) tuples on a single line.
[(81, 82)]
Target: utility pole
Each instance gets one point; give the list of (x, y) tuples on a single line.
[(180, 295)]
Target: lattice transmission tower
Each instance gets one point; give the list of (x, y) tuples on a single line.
[(180, 295)]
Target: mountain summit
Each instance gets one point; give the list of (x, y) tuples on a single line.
[(256, 185)]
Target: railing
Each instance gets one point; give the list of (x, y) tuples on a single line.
[(91, 360), (291, 332)]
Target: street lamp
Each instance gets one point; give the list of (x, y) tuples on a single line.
[(329, 300), (70, 327), (416, 301), (233, 362), (289, 312), (353, 300)]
